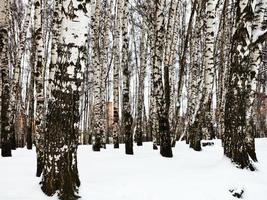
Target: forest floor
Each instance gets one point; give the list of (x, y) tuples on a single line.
[(112, 175)]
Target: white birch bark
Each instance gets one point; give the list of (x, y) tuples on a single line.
[(239, 144), (61, 171), (159, 113), (116, 72), (98, 103), (208, 132), (39, 84)]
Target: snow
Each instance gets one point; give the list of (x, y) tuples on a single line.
[(110, 174)]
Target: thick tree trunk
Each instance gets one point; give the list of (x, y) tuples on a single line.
[(66, 73), (239, 144), (5, 107)]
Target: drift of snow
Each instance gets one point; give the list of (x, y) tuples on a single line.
[(110, 174)]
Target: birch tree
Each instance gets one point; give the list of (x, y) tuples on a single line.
[(160, 113), (224, 38), (98, 103), (5, 107), (141, 107), (127, 118), (39, 84), (200, 124), (239, 144), (68, 60), (116, 72), (169, 64)]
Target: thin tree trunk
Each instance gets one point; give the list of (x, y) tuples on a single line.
[(39, 84), (98, 103), (116, 72), (127, 118), (140, 108)]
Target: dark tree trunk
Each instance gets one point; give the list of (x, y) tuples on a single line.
[(6, 134), (160, 100), (29, 137), (165, 138), (60, 169), (239, 144), (40, 166), (127, 120)]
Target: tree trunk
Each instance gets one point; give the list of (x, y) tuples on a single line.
[(239, 144), (39, 84), (98, 103), (160, 112), (116, 72), (66, 73), (5, 107), (140, 108), (127, 118)]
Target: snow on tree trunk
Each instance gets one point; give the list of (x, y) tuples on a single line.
[(5, 107), (68, 63)]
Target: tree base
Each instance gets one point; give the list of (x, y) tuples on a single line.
[(129, 149), (13, 139), (166, 152), (173, 143), (96, 147), (139, 143), (29, 139), (196, 145), (6, 150), (129, 152), (155, 147), (116, 146), (39, 167)]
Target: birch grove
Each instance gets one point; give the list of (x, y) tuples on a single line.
[(120, 72)]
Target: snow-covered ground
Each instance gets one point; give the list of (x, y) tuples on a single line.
[(112, 175)]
